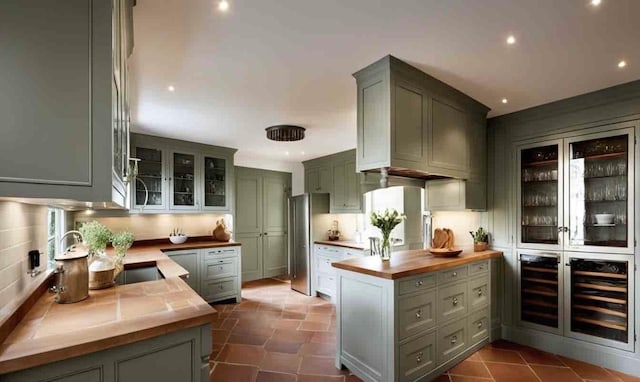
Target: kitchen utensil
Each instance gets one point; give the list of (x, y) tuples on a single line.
[(604, 218), (445, 252), (72, 272)]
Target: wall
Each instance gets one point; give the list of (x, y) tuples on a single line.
[(461, 222), (159, 226), (295, 168), (23, 227)]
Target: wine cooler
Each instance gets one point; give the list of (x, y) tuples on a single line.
[(540, 291), (601, 306)]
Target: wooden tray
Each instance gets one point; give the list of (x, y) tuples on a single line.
[(445, 252)]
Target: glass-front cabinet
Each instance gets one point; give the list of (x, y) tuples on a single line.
[(573, 193), (149, 189), (215, 182), (183, 181)]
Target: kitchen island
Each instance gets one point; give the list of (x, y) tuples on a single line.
[(153, 330), (413, 317)]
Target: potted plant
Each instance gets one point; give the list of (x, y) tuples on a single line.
[(480, 240), (96, 236), (121, 241), (386, 222)]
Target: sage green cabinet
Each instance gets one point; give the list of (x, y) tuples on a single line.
[(180, 176), (455, 195), (65, 122), (336, 175), (189, 260), (408, 120)]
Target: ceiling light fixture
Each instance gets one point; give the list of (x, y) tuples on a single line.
[(622, 64), (285, 133), (286, 153), (596, 3), (511, 40), (171, 88), (504, 100), (223, 5)]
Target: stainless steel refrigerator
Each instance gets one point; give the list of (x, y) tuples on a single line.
[(308, 214)]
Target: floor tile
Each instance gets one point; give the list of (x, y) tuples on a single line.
[(538, 357), (281, 362), (319, 366), (319, 378), (470, 369), (555, 374), (283, 346), (589, 371), (624, 377), (235, 373), (268, 376), (459, 378), (242, 354), (498, 355), (506, 372)]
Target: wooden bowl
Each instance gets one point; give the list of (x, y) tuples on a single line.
[(445, 252)]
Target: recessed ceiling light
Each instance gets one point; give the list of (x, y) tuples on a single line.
[(171, 88), (301, 152), (511, 39), (595, 3), (622, 64), (504, 100), (223, 5), (286, 153)]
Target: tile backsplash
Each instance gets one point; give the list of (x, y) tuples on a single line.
[(23, 227), (461, 222), (145, 227)]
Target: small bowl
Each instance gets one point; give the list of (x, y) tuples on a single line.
[(604, 218), (178, 239)]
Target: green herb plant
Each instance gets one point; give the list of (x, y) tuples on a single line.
[(122, 241), (95, 235), (480, 236)]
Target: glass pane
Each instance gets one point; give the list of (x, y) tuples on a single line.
[(183, 179), (598, 192), (214, 182), (599, 298), (149, 175), (539, 288), (539, 199)]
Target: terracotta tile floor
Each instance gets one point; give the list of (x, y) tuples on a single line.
[(277, 335)]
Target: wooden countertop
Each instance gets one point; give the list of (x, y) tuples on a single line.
[(410, 263), (342, 243), (112, 317)]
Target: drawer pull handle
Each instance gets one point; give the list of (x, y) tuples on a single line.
[(454, 274), (221, 268), (419, 357), (221, 261), (480, 267), (479, 324), (454, 339), (454, 301), (479, 292), (419, 284), (419, 314), (221, 286)]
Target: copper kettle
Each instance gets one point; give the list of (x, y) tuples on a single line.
[(72, 272)]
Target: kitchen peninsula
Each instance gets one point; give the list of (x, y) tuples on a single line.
[(122, 333), (414, 316)]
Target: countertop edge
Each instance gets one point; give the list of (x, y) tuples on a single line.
[(341, 244)]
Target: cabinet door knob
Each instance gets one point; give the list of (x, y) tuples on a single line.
[(454, 274), (479, 324), (419, 357), (419, 314), (266, 233), (479, 292), (454, 301), (454, 339), (418, 283)]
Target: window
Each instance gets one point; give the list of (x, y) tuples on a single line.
[(55, 229), (378, 201)]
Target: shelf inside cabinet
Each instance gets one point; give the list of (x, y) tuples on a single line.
[(541, 303), (601, 287), (540, 314), (603, 323), (539, 269), (540, 163), (540, 291), (603, 156), (600, 298), (540, 281), (601, 274), (598, 309)]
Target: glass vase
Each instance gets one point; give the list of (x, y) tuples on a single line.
[(385, 248)]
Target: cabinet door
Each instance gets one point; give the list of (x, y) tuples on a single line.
[(150, 188), (274, 226), (353, 197), (312, 180), (249, 222), (338, 192), (324, 179), (182, 181), (214, 184), (449, 128), (539, 195), (188, 260), (599, 186)]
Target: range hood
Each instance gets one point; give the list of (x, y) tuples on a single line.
[(412, 125)]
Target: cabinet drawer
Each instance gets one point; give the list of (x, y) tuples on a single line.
[(478, 324), (215, 289), (416, 284), (326, 284), (478, 267), (324, 265), (453, 274), (352, 253), (416, 313), (417, 357), (478, 292), (220, 268), (452, 340), (212, 254), (452, 302), (330, 251)]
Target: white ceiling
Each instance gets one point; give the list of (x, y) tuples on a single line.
[(267, 62)]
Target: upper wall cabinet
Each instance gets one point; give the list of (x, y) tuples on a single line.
[(336, 175), (65, 126), (179, 176), (416, 125)]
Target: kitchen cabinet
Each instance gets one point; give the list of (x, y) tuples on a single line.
[(178, 176), (214, 273), (323, 275), (455, 195), (416, 125), (336, 175), (179, 356), (566, 185), (261, 221), (69, 143)]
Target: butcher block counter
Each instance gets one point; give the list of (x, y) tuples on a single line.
[(415, 316), (113, 318)]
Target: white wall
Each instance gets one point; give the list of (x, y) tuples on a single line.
[(295, 168), (461, 223)]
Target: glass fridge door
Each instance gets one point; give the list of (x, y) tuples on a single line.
[(540, 291), (599, 209), (539, 195)]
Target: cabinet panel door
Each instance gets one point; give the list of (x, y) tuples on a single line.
[(214, 184), (373, 123), (170, 364), (312, 180), (150, 185), (189, 261), (449, 127), (408, 124), (275, 250), (251, 255), (325, 180), (353, 198), (338, 193), (275, 254), (183, 181), (249, 204)]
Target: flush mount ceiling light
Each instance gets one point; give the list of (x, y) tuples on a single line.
[(171, 88), (285, 133), (223, 5), (504, 100), (511, 40)]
